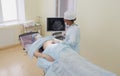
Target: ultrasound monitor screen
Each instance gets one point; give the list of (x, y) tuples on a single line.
[(55, 24)]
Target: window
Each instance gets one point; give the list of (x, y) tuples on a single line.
[(64, 5), (11, 10)]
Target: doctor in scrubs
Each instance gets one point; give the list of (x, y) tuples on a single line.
[(72, 35)]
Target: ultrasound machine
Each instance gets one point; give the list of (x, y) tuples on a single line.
[(57, 26)]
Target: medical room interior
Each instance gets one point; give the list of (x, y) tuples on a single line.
[(99, 22)]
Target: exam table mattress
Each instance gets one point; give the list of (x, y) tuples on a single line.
[(27, 38)]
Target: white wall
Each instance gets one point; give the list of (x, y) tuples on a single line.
[(32, 9), (9, 35), (41, 8), (47, 9), (100, 32)]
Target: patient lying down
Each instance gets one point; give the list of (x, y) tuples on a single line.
[(39, 53), (58, 59)]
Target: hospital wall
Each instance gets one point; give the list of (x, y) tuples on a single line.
[(100, 32), (32, 9), (9, 35), (47, 9), (41, 8)]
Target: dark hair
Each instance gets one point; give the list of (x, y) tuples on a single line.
[(73, 20), (41, 49)]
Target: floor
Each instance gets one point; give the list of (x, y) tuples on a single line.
[(15, 62)]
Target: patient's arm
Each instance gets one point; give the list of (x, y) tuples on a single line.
[(45, 56), (57, 41)]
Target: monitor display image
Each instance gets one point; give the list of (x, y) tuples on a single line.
[(55, 24)]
